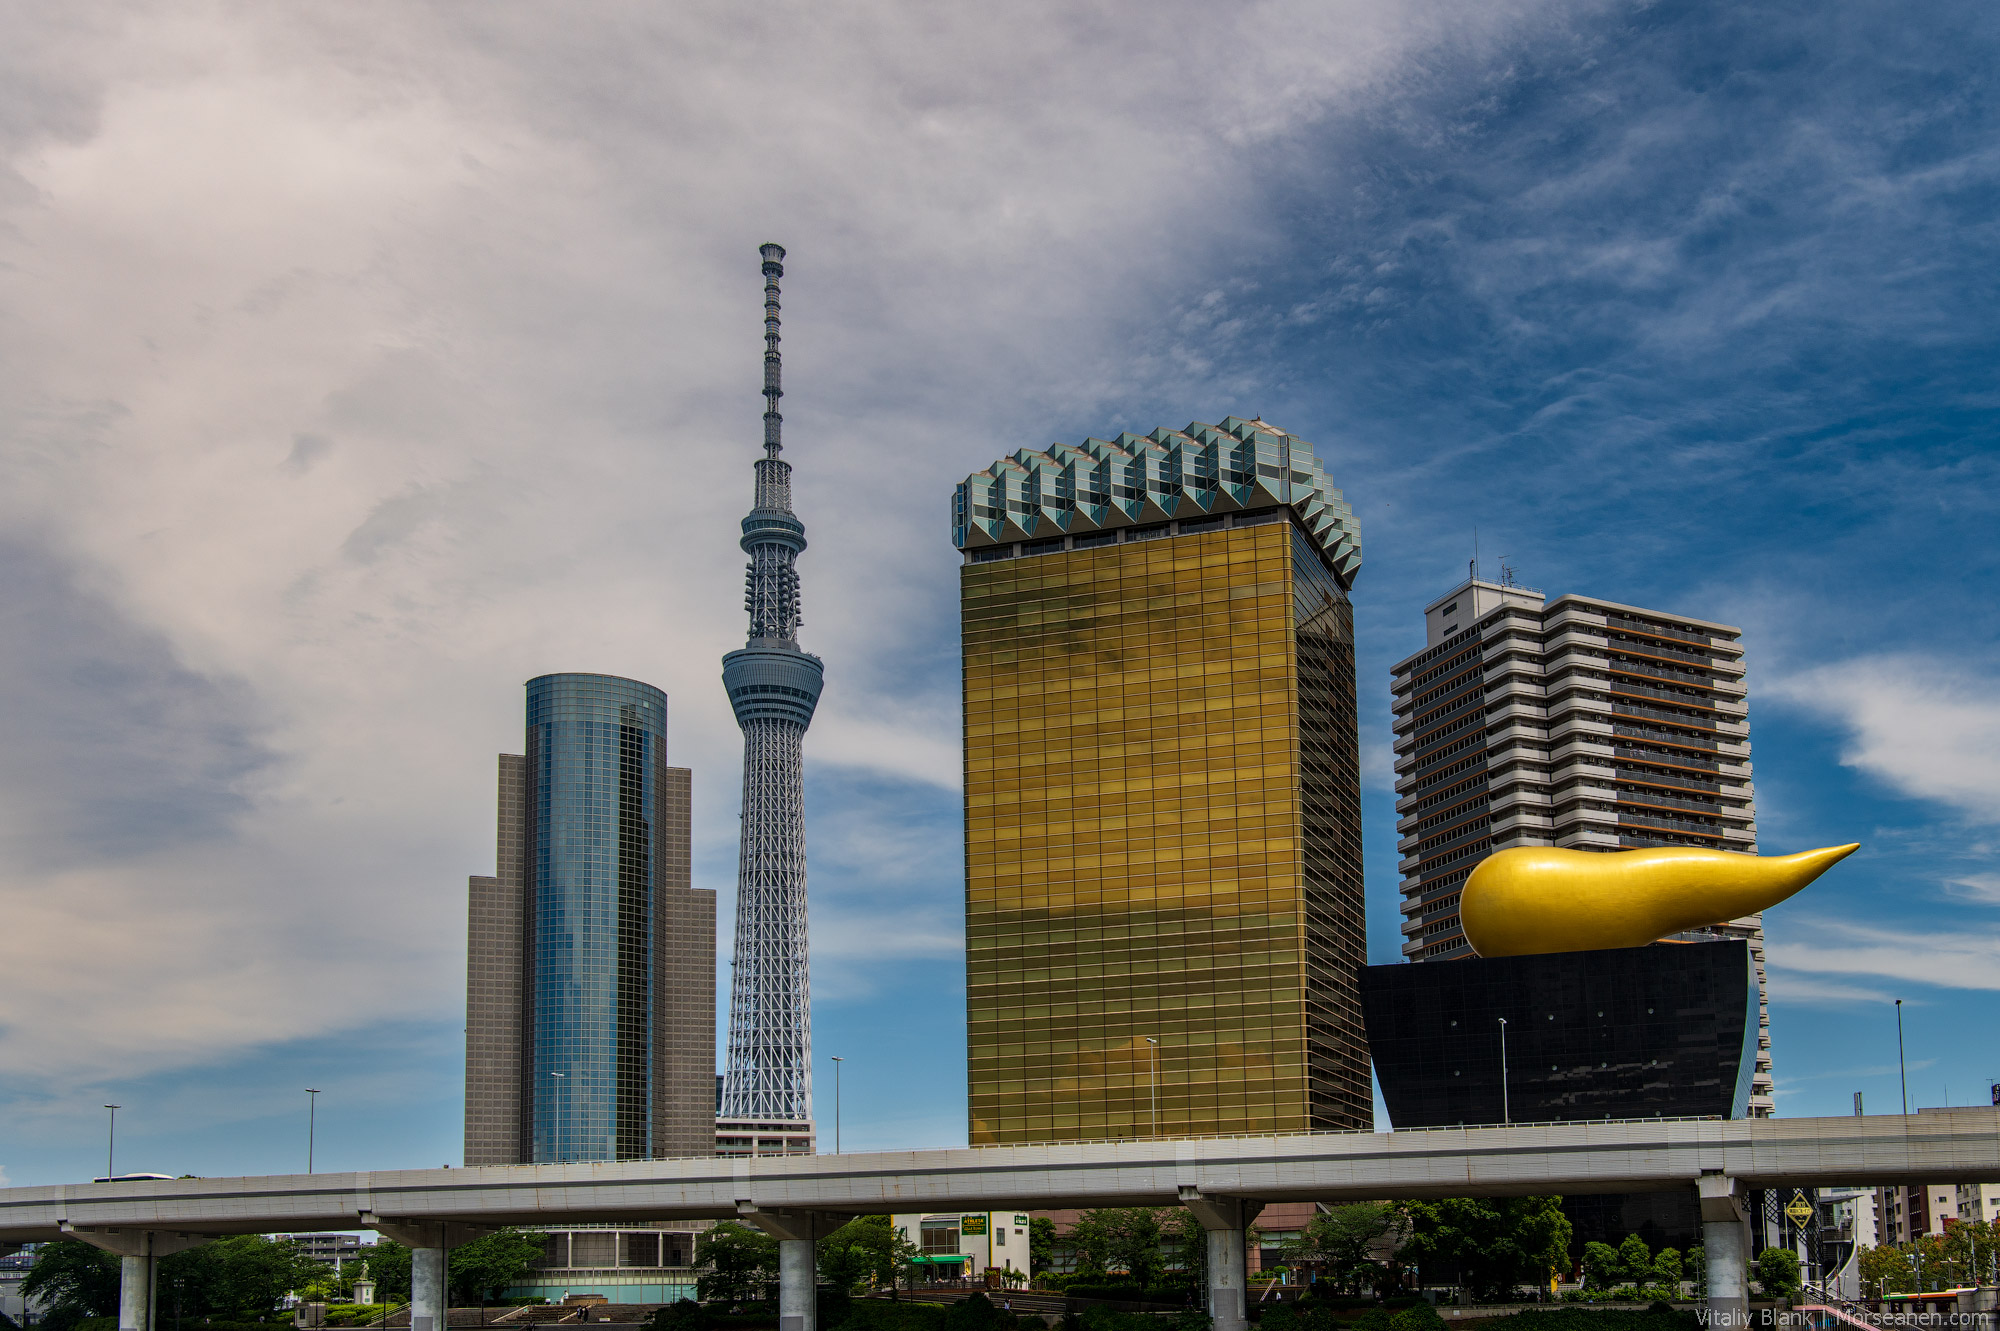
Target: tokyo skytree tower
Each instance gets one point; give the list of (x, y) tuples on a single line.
[(773, 687)]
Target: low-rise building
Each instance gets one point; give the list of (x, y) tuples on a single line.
[(332, 1249), (619, 1263), (964, 1244)]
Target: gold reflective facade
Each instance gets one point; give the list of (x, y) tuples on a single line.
[(1163, 840)]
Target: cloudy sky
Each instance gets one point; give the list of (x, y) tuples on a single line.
[(360, 361)]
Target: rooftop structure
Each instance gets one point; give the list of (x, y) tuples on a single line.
[(1099, 486)]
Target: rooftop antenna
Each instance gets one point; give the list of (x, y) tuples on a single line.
[(1506, 572), (1475, 554)]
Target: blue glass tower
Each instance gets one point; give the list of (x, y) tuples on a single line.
[(590, 954), (595, 744)]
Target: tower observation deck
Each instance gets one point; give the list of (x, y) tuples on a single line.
[(773, 687)]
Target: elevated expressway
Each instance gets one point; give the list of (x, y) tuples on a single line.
[(1222, 1180)]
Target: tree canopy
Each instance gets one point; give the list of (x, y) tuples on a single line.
[(1338, 1242), (1496, 1243), (742, 1264), (865, 1250), (246, 1276)]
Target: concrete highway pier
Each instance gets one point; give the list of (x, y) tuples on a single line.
[(1222, 1180)]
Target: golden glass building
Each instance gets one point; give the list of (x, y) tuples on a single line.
[(1164, 911)]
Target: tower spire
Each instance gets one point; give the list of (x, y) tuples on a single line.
[(774, 424), (773, 687)]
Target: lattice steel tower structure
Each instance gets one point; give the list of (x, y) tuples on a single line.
[(773, 687)]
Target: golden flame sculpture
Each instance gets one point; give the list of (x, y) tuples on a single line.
[(1533, 899)]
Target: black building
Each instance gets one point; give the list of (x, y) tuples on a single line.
[(1662, 1031)]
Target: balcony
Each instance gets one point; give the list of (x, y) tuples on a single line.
[(1670, 759), (1664, 823), (1625, 625), (1648, 799), (1675, 782), (1661, 672), (1638, 711), (1631, 689)]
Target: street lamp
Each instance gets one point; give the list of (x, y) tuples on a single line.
[(1506, 1111), (1902, 1074), (556, 1144), (1153, 1051), (837, 1061), (312, 1120), (111, 1142)]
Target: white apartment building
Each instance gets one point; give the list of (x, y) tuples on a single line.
[(1578, 723), (1902, 1214)]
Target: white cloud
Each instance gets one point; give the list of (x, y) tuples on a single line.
[(1929, 729), (360, 363), (1957, 959), (1982, 887), (1794, 986)]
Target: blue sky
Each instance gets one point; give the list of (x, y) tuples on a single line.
[(355, 367)]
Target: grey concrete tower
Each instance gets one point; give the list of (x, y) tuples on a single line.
[(773, 687)]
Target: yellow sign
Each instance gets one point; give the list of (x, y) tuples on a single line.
[(1800, 1210), (972, 1224)]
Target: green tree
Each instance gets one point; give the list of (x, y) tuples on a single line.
[(865, 1250), (1886, 1270), (1600, 1265), (483, 1268), (244, 1276), (742, 1264), (1496, 1243), (389, 1263), (73, 1280), (1971, 1252), (1778, 1273), (1339, 1241), (1119, 1238), (1184, 1246), (1635, 1261), (1041, 1244), (1667, 1268)]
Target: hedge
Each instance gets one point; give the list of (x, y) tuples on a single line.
[(1596, 1319)]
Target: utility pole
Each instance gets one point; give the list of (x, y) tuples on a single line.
[(1506, 1111), (312, 1121)]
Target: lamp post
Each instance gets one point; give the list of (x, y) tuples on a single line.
[(111, 1142), (312, 1121), (837, 1061), (1506, 1110), (1902, 1074), (1153, 1051)]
